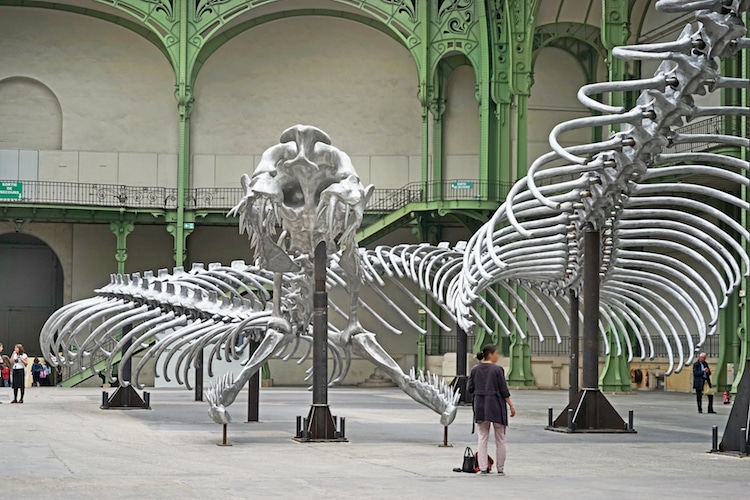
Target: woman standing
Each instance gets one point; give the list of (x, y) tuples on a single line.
[(19, 360), (487, 382)]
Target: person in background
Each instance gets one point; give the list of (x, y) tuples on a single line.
[(46, 373), (36, 372), (5, 372), (491, 395), (702, 383), (19, 360)]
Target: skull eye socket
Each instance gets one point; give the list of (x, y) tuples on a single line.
[(293, 195), (322, 187)]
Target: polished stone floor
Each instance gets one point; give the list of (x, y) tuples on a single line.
[(59, 444)]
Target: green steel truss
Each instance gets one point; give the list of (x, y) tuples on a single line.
[(499, 39)]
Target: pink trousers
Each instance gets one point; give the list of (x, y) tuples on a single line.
[(483, 429)]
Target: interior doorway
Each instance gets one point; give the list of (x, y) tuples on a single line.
[(31, 289)]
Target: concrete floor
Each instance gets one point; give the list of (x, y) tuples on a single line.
[(59, 444)]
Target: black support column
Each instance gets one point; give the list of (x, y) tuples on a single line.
[(461, 381), (574, 346), (588, 410), (125, 396), (253, 390), (591, 265), (320, 425)]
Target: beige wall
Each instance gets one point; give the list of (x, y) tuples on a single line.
[(461, 126), (557, 78), (217, 244), (149, 248), (93, 258), (565, 11), (354, 82), (114, 88), (95, 167), (30, 115)]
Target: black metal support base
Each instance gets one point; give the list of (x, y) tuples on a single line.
[(590, 411), (125, 398), (736, 438), (320, 427)]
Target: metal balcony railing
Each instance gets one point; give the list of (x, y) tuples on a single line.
[(387, 200), (729, 125), (214, 198), (223, 199), (99, 195), (441, 344)]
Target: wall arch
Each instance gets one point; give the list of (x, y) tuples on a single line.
[(346, 78), (582, 41), (31, 288), (217, 42), (119, 97), (30, 115)]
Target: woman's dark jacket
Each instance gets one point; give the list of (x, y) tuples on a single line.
[(487, 382)]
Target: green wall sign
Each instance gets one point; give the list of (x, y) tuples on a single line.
[(11, 190), (462, 185)]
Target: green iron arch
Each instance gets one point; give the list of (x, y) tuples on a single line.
[(400, 16), (215, 43), (136, 27), (582, 41)]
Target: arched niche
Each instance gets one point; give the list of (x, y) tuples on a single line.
[(31, 288), (461, 128), (30, 115)]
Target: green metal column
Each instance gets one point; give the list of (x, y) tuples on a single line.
[(616, 373), (743, 96), (121, 230), (730, 328), (184, 96), (615, 31), (519, 352), (521, 16), (437, 108), (427, 232), (487, 168), (425, 88)]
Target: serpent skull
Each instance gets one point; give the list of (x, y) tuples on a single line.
[(306, 187), (305, 191)]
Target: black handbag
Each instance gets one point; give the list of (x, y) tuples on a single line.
[(468, 465)]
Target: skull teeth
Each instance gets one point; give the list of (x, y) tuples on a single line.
[(331, 213)]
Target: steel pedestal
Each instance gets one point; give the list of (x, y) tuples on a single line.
[(588, 410), (320, 425)]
